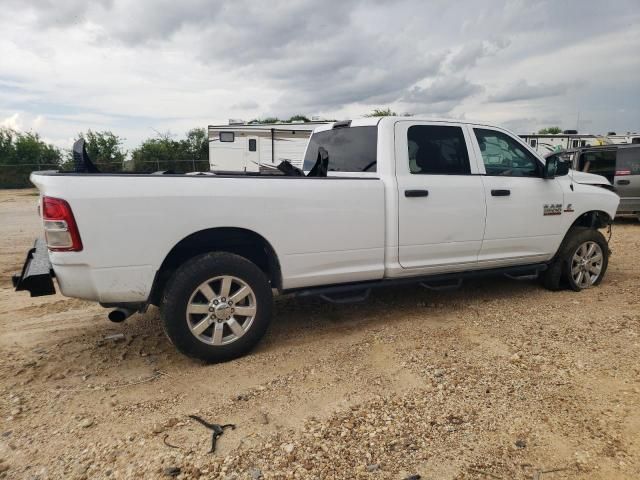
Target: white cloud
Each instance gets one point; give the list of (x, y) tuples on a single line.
[(136, 67)]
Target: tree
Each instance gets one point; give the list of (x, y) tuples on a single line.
[(23, 153), (105, 149), (266, 120), (198, 144), (550, 131), (164, 152), (381, 112), (298, 118)]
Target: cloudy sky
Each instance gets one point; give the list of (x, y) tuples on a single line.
[(138, 67)]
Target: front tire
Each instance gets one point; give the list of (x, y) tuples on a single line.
[(216, 307), (581, 261)]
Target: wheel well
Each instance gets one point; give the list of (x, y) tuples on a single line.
[(240, 241), (593, 219)]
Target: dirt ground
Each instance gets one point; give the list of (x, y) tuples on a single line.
[(500, 379)]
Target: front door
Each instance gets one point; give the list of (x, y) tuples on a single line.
[(524, 210), (441, 206)]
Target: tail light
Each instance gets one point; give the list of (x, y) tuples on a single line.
[(60, 226), (623, 172)]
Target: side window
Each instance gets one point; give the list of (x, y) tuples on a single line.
[(502, 155), (601, 162), (628, 161), (437, 150), (252, 145)]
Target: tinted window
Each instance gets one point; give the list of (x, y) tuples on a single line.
[(628, 161), (601, 162), (252, 144), (437, 150), (350, 149), (503, 155), (534, 142)]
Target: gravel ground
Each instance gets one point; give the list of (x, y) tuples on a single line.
[(500, 379)]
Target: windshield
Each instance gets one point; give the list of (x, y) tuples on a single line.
[(351, 149)]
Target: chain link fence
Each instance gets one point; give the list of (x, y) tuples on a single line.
[(17, 175)]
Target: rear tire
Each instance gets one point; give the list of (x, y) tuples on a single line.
[(581, 261), (216, 307)]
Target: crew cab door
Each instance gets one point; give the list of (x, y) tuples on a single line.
[(524, 211), (441, 207)]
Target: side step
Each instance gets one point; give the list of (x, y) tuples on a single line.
[(340, 299)]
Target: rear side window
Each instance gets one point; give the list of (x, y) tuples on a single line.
[(504, 156), (628, 161), (437, 150), (601, 162), (350, 149)]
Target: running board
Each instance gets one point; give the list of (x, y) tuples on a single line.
[(450, 279), (443, 287), (355, 298)]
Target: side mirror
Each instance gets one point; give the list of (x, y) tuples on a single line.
[(550, 167)]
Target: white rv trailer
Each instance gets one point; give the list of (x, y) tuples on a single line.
[(248, 147), (549, 143), (624, 139)]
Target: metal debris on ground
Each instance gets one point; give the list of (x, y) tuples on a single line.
[(216, 429), (115, 338)]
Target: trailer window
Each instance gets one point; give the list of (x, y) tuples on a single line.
[(350, 149), (252, 145), (534, 142), (227, 136)]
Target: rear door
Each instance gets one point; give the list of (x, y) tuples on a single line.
[(627, 179), (441, 209), (524, 210)]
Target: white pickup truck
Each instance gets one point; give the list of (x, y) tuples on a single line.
[(379, 201)]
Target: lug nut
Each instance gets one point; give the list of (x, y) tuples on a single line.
[(215, 302), (223, 299)]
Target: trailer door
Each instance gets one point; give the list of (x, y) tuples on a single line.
[(252, 155)]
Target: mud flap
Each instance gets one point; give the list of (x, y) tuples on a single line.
[(37, 275)]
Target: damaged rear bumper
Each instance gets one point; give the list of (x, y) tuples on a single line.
[(37, 274)]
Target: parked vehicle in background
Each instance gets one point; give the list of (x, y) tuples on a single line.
[(620, 164), (379, 201)]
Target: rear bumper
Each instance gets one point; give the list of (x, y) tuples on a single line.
[(37, 274)]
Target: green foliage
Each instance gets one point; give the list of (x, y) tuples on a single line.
[(298, 118), (165, 153), (265, 120), (294, 118), (550, 131), (23, 153), (105, 149), (381, 112)]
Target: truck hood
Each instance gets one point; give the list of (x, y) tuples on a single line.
[(589, 178)]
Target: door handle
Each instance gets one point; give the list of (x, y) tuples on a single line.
[(500, 193), (416, 193), (623, 182)]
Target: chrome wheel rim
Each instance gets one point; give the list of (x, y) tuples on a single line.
[(586, 264), (221, 310)]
